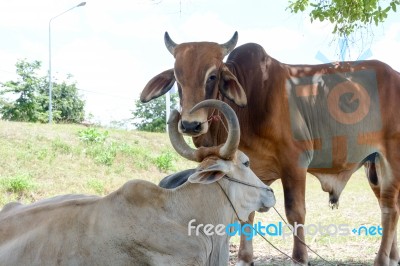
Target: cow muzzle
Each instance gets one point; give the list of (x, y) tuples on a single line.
[(192, 129), (268, 200)]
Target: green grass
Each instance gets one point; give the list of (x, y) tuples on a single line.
[(39, 161)]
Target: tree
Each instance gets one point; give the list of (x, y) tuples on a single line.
[(27, 98), (68, 107), (151, 116), (348, 16), (25, 107)]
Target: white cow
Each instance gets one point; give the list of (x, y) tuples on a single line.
[(141, 223)]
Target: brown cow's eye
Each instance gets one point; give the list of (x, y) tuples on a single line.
[(210, 86), (212, 77)]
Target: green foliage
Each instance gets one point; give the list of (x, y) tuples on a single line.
[(26, 107), (27, 98), (96, 185), (18, 184), (151, 116), (347, 15), (68, 107), (101, 151), (92, 135), (104, 154), (164, 162)]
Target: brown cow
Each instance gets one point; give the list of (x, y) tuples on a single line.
[(327, 120), (141, 223)]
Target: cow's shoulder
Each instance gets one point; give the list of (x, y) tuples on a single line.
[(142, 193)]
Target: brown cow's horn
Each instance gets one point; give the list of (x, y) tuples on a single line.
[(230, 45), (169, 43), (177, 141), (232, 142)]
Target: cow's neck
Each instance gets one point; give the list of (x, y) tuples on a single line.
[(261, 121), (207, 204)]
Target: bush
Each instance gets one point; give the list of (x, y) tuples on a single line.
[(164, 162), (18, 184), (92, 135)]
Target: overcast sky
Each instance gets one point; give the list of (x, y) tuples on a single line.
[(112, 48)]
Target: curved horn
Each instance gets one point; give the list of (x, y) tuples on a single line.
[(177, 141), (169, 43), (232, 143), (230, 45)]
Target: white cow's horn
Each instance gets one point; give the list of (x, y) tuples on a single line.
[(233, 139), (177, 141), (225, 151)]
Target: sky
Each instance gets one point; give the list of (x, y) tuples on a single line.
[(113, 48)]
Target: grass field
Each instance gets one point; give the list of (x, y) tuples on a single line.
[(40, 161)]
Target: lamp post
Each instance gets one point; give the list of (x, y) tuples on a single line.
[(50, 78)]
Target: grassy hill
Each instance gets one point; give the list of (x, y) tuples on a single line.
[(39, 160)]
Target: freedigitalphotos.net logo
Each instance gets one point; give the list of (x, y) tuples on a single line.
[(281, 230)]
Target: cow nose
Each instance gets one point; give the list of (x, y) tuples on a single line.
[(191, 127)]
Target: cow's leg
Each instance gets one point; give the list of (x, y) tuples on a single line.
[(375, 183), (245, 254), (394, 252), (294, 193), (388, 201), (389, 224)]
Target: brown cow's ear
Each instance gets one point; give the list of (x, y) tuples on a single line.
[(231, 88), (158, 86)]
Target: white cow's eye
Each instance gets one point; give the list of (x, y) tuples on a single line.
[(247, 163)]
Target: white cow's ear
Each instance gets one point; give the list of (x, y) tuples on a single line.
[(210, 174), (231, 88), (205, 177), (158, 85)]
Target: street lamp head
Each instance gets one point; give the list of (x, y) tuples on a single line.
[(81, 4)]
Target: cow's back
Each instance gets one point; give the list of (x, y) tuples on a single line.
[(122, 228), (36, 234)]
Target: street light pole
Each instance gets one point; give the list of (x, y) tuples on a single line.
[(50, 78)]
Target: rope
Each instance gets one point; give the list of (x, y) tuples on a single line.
[(275, 247), (216, 118), (259, 233), (245, 183), (237, 216), (283, 219)]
